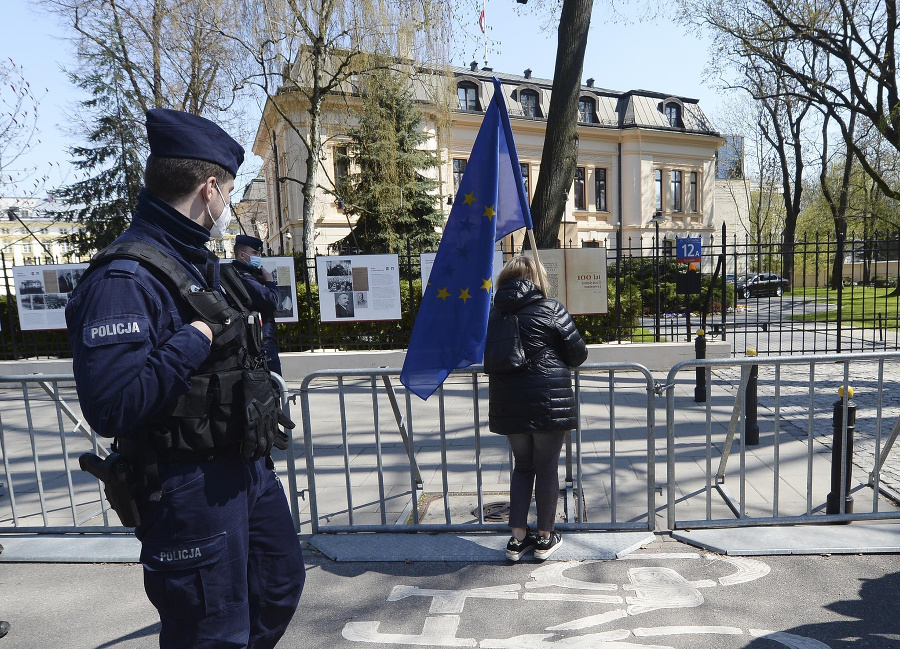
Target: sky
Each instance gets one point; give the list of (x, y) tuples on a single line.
[(655, 55)]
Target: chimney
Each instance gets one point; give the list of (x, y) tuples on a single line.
[(473, 66), (528, 73), (590, 83)]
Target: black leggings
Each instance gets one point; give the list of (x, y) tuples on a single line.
[(536, 469)]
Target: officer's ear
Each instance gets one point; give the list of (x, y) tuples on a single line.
[(208, 189)]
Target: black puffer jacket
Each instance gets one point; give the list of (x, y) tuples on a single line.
[(538, 397)]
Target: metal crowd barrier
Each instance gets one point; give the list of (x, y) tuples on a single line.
[(365, 475), (789, 476), (42, 489)]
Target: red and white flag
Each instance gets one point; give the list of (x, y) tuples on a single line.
[(481, 21)]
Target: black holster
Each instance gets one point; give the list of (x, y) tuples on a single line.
[(119, 484)]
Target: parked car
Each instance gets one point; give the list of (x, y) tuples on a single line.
[(761, 284)]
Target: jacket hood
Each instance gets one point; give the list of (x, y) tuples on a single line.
[(515, 294)]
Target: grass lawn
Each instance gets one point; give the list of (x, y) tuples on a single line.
[(861, 306)]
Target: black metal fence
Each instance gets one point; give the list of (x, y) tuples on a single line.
[(821, 308)]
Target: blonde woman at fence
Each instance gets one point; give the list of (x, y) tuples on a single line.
[(532, 344)]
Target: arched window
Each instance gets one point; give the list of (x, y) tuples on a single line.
[(673, 115), (529, 102), (586, 110), (468, 96)]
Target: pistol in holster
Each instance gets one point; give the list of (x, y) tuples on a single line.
[(119, 484)]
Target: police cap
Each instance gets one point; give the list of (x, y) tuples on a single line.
[(175, 134), (247, 240)]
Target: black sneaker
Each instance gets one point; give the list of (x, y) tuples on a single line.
[(545, 547), (516, 549)]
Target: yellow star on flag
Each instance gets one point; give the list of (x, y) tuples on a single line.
[(486, 284), (489, 212), (443, 294), (464, 295), (469, 199)]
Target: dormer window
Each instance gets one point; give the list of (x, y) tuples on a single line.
[(586, 110), (467, 93), (673, 115), (529, 102)]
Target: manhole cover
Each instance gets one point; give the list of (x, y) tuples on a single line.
[(498, 511)]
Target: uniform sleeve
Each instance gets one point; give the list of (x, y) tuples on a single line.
[(574, 351), (264, 296), (127, 363)]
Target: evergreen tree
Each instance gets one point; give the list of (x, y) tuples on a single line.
[(111, 163), (388, 192)]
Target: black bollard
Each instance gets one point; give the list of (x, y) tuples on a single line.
[(700, 349), (751, 428), (833, 502)]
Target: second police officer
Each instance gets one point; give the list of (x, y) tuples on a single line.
[(263, 291), (169, 369)]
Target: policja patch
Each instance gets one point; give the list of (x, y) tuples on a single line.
[(116, 329)]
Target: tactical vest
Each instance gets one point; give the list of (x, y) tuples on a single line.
[(210, 419)]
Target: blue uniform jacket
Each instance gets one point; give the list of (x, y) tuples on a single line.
[(263, 297), (133, 346)]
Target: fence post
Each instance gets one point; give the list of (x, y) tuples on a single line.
[(700, 349), (751, 428), (841, 461)]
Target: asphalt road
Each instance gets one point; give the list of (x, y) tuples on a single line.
[(667, 595)]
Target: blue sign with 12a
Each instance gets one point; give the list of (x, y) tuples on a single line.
[(687, 249)]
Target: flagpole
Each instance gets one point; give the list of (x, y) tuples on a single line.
[(537, 259), (484, 29)]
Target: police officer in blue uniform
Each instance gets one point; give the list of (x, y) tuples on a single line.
[(222, 562), (262, 290)]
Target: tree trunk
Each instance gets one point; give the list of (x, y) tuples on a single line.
[(560, 151)]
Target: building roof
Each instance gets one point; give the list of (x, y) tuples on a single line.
[(618, 109)]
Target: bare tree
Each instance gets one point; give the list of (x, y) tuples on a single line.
[(133, 56), (18, 131), (303, 53)]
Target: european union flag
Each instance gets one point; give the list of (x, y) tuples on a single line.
[(490, 203)]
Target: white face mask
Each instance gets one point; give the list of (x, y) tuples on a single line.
[(220, 225)]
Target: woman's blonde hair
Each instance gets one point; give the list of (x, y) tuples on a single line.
[(522, 267)]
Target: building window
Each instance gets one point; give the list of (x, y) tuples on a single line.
[(693, 197), (676, 191), (459, 168), (579, 188), (4, 231), (341, 166), (220, 247), (468, 96), (586, 110), (673, 115), (64, 247), (525, 180), (26, 248), (600, 189), (29, 261), (529, 101), (658, 182)]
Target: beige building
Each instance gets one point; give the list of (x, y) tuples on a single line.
[(640, 152)]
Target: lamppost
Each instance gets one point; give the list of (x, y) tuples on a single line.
[(657, 218)]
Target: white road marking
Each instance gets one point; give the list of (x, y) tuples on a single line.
[(574, 597), (552, 575), (657, 588), (789, 639), (660, 555), (747, 569), (591, 620), (453, 601), (436, 632), (606, 640), (649, 632)]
